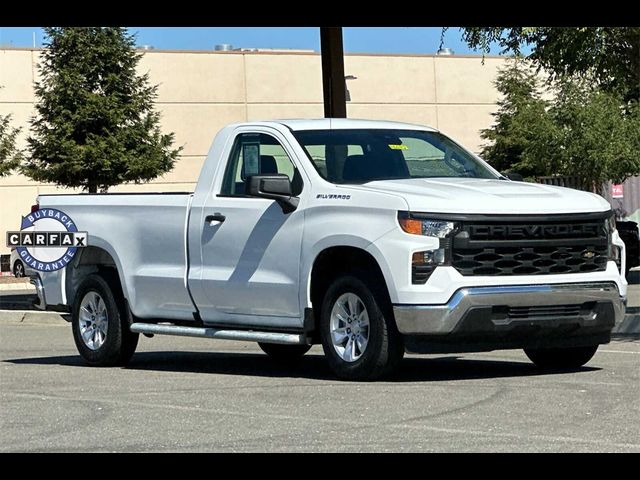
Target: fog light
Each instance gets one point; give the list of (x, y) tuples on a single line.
[(424, 263), (429, 257)]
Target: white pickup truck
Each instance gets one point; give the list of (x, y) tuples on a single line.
[(371, 238)]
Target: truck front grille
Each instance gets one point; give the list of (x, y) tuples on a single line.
[(531, 247), (530, 260)]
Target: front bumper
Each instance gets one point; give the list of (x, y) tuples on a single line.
[(41, 302), (501, 310)]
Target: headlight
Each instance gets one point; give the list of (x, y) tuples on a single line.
[(426, 227), (615, 255), (614, 251)]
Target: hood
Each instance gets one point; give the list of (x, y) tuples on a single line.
[(488, 196)]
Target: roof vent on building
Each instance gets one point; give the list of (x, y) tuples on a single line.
[(445, 51), (223, 47)]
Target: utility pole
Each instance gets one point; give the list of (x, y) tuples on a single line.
[(333, 81)]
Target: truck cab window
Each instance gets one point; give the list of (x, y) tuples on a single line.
[(257, 154)]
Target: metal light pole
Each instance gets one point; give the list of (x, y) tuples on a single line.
[(333, 82)]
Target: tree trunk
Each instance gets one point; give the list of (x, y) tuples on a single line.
[(93, 188)]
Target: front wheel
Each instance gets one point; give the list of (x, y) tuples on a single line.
[(100, 330), (561, 358), (359, 336)]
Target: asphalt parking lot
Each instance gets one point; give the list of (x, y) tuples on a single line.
[(181, 394)]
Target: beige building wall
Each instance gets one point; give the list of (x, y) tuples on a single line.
[(200, 92)]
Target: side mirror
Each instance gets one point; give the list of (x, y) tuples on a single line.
[(514, 176), (276, 187)]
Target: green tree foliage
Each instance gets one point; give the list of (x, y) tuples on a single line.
[(584, 131), (9, 155), (608, 55), (95, 125), (599, 134), (521, 122)]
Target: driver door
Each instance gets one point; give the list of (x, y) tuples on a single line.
[(248, 271)]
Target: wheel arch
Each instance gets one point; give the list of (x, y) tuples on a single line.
[(93, 259), (334, 260), (13, 265)]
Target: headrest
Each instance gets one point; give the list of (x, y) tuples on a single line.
[(355, 168), (268, 165)]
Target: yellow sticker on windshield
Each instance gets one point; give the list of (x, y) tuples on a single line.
[(398, 147)]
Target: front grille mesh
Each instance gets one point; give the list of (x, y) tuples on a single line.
[(538, 260), (531, 246)]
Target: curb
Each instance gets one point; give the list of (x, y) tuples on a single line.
[(30, 317), (630, 325), (24, 286), (18, 300)]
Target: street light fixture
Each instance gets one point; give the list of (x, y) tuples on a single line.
[(346, 90)]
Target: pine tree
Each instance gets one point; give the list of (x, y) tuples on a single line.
[(95, 125), (9, 155)]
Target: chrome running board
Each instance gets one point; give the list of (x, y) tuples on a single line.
[(222, 334)]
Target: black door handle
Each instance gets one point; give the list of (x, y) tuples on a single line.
[(216, 217)]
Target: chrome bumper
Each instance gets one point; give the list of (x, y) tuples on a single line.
[(41, 303), (444, 319)]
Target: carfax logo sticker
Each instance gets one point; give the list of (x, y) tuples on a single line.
[(48, 240)]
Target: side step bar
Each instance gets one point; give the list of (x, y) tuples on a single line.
[(222, 334)]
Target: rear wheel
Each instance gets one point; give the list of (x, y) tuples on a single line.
[(561, 358), (285, 354), (100, 329), (358, 332)]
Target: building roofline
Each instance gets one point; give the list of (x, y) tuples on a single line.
[(283, 52)]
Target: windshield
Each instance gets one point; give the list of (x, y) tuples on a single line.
[(364, 155)]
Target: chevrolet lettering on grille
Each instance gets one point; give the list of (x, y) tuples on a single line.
[(481, 232)]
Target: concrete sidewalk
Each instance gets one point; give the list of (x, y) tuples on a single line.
[(12, 283)]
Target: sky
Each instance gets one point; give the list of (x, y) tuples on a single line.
[(394, 40)]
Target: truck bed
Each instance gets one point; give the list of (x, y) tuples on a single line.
[(150, 228)]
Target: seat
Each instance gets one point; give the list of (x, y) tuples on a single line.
[(355, 168), (268, 165), (358, 168)]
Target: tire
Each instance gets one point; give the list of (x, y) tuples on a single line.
[(561, 358), (111, 343), (383, 350), (284, 354), (18, 269)]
